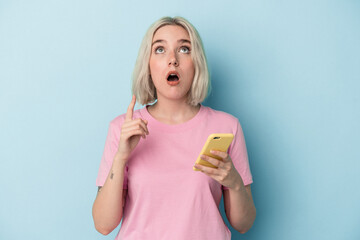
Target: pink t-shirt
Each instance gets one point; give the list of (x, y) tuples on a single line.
[(166, 198)]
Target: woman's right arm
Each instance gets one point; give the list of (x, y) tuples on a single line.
[(109, 202), (108, 206)]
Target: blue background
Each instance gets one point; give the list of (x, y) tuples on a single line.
[(289, 70)]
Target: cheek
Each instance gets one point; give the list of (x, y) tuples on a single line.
[(190, 63), (190, 69), (155, 68)]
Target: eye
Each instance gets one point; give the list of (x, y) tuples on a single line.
[(159, 50), (184, 49)]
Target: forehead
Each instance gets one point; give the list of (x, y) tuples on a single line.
[(169, 32)]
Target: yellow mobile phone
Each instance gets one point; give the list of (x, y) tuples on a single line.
[(215, 141)]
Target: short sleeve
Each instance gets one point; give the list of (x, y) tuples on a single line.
[(111, 146), (239, 156)]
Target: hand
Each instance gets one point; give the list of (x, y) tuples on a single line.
[(131, 131), (225, 173)]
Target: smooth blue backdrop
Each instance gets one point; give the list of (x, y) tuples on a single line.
[(289, 70)]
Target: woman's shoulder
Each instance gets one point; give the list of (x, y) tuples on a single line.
[(220, 115), (119, 120)]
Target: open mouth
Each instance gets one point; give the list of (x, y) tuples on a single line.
[(173, 77)]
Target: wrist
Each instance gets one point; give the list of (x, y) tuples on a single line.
[(237, 188), (238, 185)]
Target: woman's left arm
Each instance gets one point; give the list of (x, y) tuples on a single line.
[(239, 206)]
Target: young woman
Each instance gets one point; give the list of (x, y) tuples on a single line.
[(146, 175)]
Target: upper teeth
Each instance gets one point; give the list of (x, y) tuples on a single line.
[(172, 74)]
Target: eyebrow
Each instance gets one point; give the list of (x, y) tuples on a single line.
[(179, 41)]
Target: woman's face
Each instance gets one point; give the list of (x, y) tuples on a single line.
[(171, 66)]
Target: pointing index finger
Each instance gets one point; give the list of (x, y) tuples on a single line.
[(130, 110)]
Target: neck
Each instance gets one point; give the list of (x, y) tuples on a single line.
[(173, 112)]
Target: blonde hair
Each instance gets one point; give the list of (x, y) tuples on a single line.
[(142, 85)]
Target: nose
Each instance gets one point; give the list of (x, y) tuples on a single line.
[(173, 60)]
